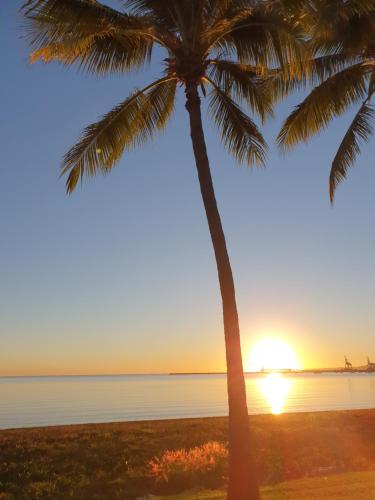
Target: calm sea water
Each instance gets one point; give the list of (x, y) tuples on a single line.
[(38, 401)]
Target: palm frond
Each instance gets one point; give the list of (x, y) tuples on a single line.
[(222, 26), (243, 82), (360, 129), (216, 9), (340, 26), (101, 53), (263, 37), (322, 67), (353, 7), (131, 122), (176, 16), (63, 17), (263, 87), (285, 80), (239, 133), (326, 101), (279, 83), (100, 39), (161, 11), (290, 6)]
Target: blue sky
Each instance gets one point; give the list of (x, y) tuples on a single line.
[(120, 276)]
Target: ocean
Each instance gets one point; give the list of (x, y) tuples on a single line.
[(40, 401)]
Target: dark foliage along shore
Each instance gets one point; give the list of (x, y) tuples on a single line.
[(109, 461)]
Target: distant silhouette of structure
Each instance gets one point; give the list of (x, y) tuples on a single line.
[(370, 365), (348, 365)]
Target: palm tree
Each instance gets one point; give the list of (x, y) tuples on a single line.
[(342, 36), (225, 46)]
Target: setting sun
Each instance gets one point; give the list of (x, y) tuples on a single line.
[(272, 354)]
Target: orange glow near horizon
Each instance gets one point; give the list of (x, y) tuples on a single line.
[(272, 354)]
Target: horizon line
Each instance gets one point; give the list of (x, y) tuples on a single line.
[(270, 370)]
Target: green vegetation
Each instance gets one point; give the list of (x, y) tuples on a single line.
[(110, 461), (349, 486)]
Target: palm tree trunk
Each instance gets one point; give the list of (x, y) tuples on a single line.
[(242, 472)]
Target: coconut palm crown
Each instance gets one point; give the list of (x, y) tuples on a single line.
[(237, 52), (224, 46), (342, 38)]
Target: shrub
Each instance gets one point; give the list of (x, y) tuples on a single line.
[(200, 466)]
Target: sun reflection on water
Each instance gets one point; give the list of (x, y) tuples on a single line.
[(275, 388)]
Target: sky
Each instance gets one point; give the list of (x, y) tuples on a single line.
[(120, 277)]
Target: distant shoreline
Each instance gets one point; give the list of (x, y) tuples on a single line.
[(285, 372), (265, 372)]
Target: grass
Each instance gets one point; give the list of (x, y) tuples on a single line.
[(109, 461), (349, 486)]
